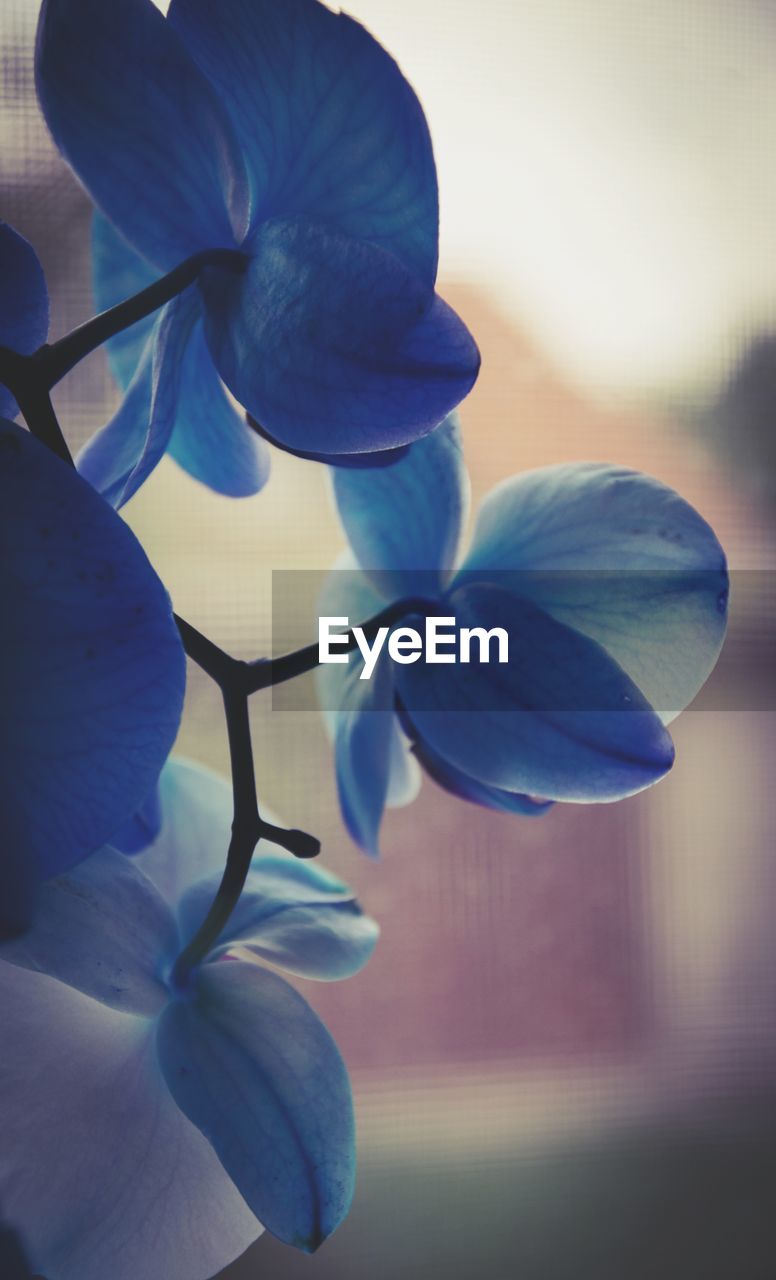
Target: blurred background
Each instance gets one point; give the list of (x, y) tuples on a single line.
[(564, 1051)]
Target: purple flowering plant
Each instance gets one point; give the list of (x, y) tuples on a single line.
[(265, 256)]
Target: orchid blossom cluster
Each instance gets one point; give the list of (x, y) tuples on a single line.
[(265, 256)]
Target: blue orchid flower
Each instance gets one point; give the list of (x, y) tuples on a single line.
[(154, 1134), (611, 589), (284, 131), (91, 668)]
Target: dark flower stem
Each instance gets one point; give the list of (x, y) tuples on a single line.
[(247, 829), (232, 677), (238, 680)]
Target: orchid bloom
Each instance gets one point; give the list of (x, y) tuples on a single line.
[(149, 1131), (284, 132), (611, 588), (92, 670)]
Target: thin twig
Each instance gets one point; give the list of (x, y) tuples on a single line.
[(246, 831), (214, 661), (248, 827)]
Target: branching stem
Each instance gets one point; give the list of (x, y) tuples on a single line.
[(30, 379), (248, 827)]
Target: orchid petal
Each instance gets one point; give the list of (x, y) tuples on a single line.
[(362, 757), (363, 749), (404, 521), (329, 125), (92, 667), (176, 403), (211, 439), (250, 1064), (332, 345), (24, 303), (100, 1171), (346, 593), (559, 720), (375, 769), (404, 775), (621, 558), (120, 457), (295, 915), (142, 828), (197, 810), (118, 273), (382, 458), (466, 788), (104, 929), (141, 126)]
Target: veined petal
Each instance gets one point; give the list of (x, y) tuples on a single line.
[(294, 914), (211, 439), (116, 451), (100, 1171), (363, 747), (466, 788), (120, 457), (332, 345), (176, 403), (382, 458), (404, 776), (621, 558), (142, 828), (348, 593), (404, 521), (251, 1065), (104, 929), (141, 126), (118, 273), (24, 303), (92, 669), (560, 719), (329, 126)]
